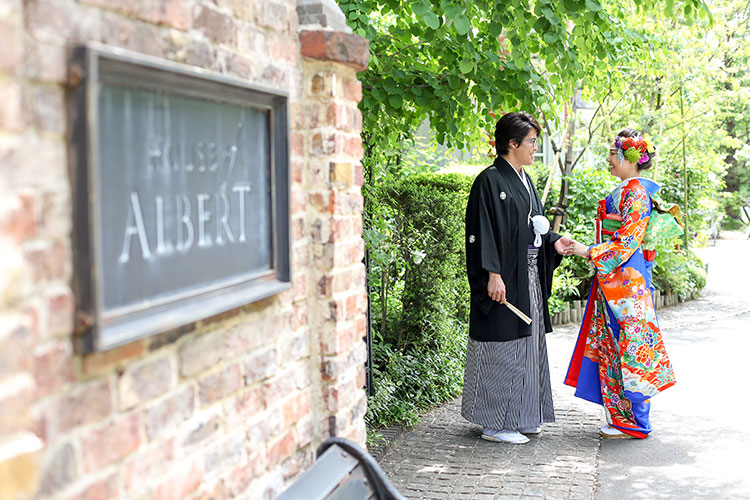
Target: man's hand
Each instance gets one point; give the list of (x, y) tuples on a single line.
[(565, 245), (496, 288)]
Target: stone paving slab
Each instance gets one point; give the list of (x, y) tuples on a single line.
[(444, 458)]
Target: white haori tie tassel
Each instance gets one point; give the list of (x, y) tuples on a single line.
[(541, 227)]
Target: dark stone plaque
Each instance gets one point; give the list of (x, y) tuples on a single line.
[(181, 194)]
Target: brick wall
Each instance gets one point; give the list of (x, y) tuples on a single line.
[(232, 406)]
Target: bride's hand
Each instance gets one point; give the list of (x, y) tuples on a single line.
[(581, 250)]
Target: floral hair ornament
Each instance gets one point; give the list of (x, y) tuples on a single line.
[(635, 149)]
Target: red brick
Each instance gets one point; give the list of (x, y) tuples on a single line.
[(16, 396), (11, 41), (305, 432), (215, 491), (173, 13), (69, 21), (353, 147), (220, 384), (247, 336), (104, 489), (274, 76), (352, 89), (347, 203), (297, 116), (281, 449), (59, 470), (346, 48), (298, 168), (205, 429), (16, 339), (48, 108), (296, 408), (61, 306), (165, 415), (18, 217), (48, 260), (359, 176), (344, 117), (45, 61), (339, 341), (321, 201), (313, 116), (144, 381), (298, 230), (295, 465), (241, 477), (215, 24), (259, 433), (272, 14), (201, 353), (278, 388), (300, 263), (282, 48), (298, 144), (243, 67), (299, 201), (225, 454), (347, 253), (260, 365), (86, 404), (323, 144), (111, 442), (323, 85), (300, 317), (184, 479), (147, 463), (350, 278), (53, 367), (244, 406), (132, 34), (99, 362), (12, 112), (242, 9)]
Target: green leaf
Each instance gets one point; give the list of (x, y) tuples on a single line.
[(466, 66), (453, 11), (396, 101), (420, 8), (462, 24), (550, 37), (431, 20), (593, 5)]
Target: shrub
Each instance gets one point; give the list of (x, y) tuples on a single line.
[(420, 295)]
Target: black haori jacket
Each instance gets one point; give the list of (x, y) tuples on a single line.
[(497, 238)]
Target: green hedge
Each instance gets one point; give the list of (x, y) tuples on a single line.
[(420, 294)]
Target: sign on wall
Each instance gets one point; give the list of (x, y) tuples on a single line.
[(181, 195)]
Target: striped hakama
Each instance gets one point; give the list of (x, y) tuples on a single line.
[(507, 384)]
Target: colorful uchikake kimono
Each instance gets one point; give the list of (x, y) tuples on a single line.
[(619, 359)]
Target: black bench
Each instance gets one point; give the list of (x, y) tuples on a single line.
[(343, 471)]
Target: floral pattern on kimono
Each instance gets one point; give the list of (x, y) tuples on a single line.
[(620, 333)]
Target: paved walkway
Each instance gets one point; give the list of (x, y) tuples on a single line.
[(443, 457)]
